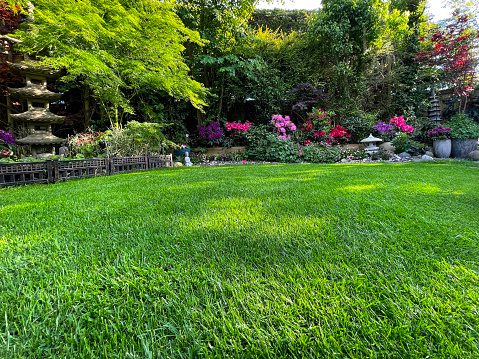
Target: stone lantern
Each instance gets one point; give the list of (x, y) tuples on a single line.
[(434, 112), (38, 117), (371, 143)]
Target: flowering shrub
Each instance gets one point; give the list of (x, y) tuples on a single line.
[(238, 131), (316, 122), (337, 134), (237, 127), (396, 126), (439, 133), (7, 145), (319, 117), (211, 132), (382, 128), (6, 155), (401, 125), (134, 139), (283, 126), (318, 128), (86, 144), (6, 138)]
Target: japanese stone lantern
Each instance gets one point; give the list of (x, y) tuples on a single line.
[(38, 117), (371, 143)]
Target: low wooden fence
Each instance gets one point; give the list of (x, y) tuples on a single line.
[(51, 171)]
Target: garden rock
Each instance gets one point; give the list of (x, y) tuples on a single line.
[(404, 155), (429, 153), (387, 146), (426, 158), (474, 155), (395, 158), (177, 164)]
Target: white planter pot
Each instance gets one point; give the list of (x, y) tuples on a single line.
[(442, 148)]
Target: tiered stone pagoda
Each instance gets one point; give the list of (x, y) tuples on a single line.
[(434, 112), (38, 117)]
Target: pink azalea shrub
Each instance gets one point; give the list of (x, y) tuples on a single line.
[(283, 126), (401, 124)]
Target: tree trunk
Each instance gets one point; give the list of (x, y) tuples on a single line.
[(86, 105), (221, 97), (199, 116)]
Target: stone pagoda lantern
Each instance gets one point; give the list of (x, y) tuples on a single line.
[(434, 112), (38, 117), (371, 144)]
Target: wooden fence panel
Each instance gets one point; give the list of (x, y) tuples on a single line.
[(91, 167), (160, 161), (54, 171), (25, 173), (128, 164)]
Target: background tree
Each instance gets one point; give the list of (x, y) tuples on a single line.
[(450, 53), (114, 47)]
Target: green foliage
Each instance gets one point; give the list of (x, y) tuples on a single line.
[(114, 45), (462, 126), (257, 261), (286, 21), (293, 55), (135, 139), (401, 142), (322, 154), (359, 127), (264, 145)]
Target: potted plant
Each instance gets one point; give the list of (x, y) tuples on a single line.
[(181, 149), (441, 141), (464, 135)]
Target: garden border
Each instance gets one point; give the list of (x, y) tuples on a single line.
[(52, 171)]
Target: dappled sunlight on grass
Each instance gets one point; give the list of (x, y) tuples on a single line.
[(426, 188), (254, 261), (358, 188), (13, 209)]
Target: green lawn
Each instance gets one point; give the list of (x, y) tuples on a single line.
[(289, 261)]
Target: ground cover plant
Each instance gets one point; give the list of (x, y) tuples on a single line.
[(301, 260)]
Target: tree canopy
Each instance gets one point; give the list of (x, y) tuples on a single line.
[(114, 45)]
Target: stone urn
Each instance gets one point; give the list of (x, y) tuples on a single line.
[(442, 148), (462, 147)]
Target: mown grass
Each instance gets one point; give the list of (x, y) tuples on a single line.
[(280, 261)]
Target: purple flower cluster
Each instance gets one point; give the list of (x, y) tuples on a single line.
[(439, 133), (382, 127), (211, 132), (6, 138)]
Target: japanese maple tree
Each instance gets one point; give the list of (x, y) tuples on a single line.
[(451, 52)]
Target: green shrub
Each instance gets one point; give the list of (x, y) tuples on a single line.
[(264, 145), (359, 126), (463, 127)]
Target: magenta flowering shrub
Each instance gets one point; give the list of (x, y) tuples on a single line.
[(211, 132), (401, 124), (283, 126), (237, 127), (395, 126), (439, 133), (237, 132)]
